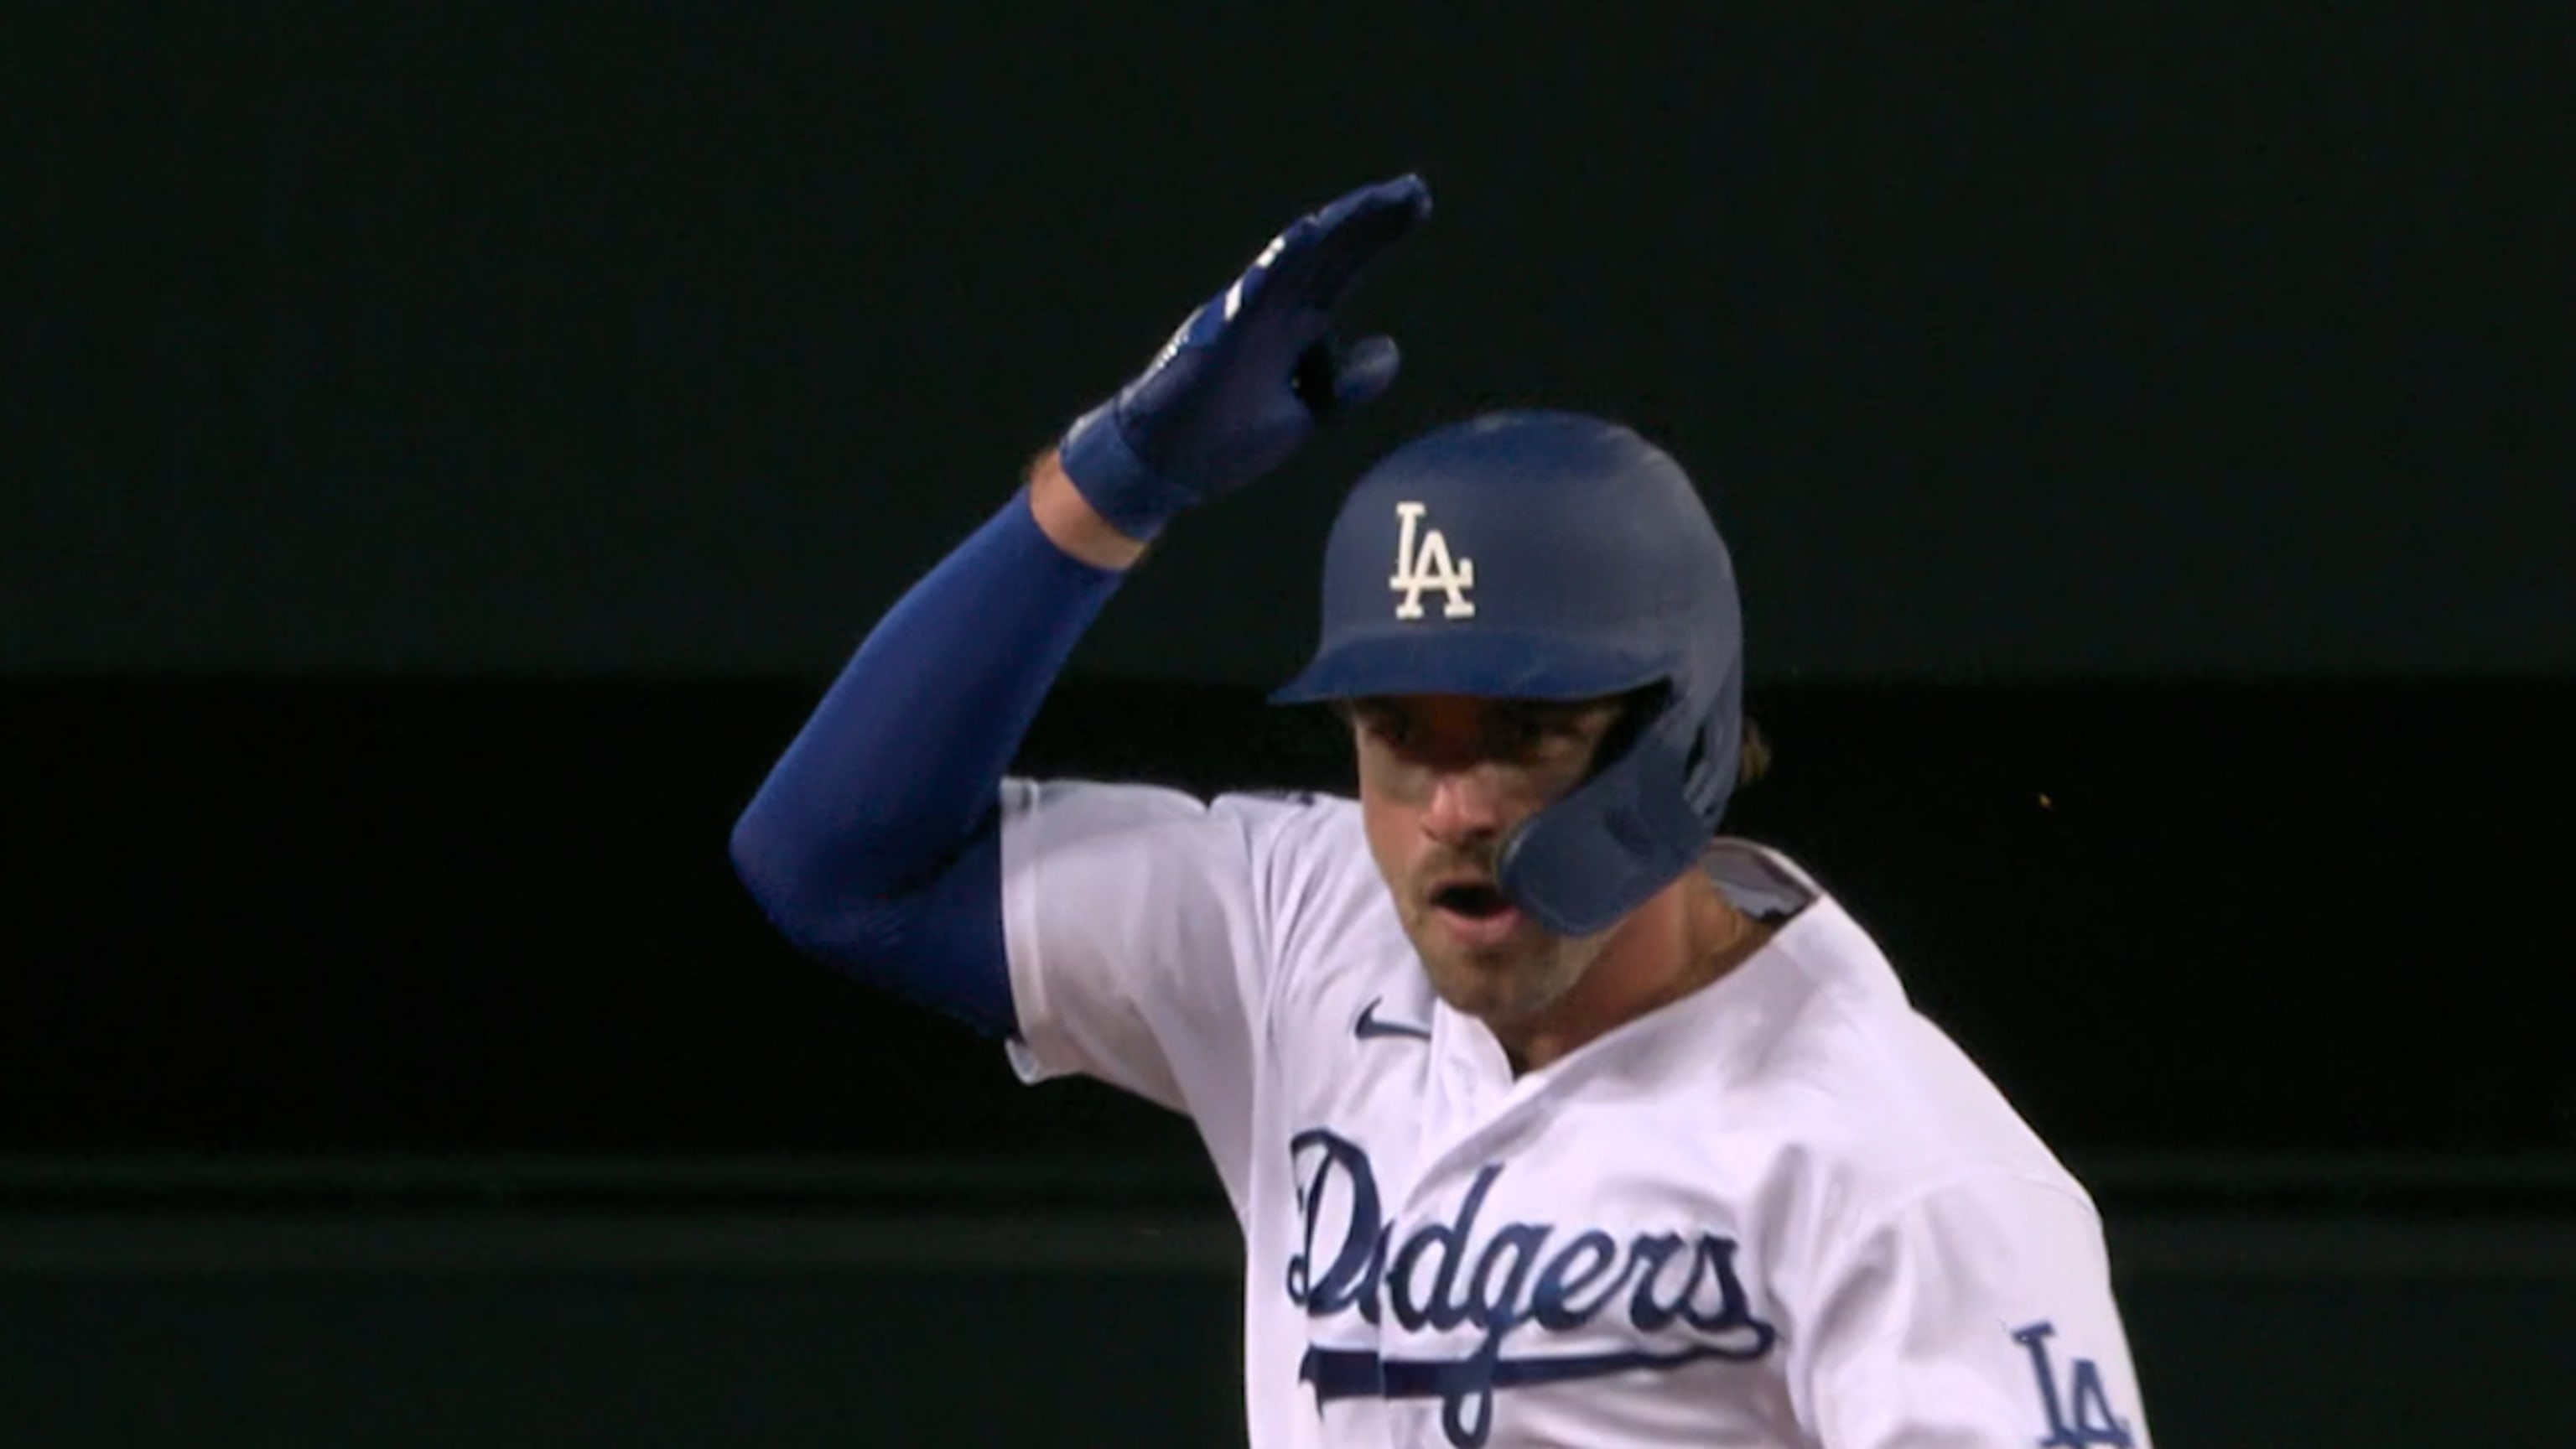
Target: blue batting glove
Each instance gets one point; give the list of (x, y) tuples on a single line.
[(1246, 378)]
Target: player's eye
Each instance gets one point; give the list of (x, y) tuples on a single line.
[(1518, 731), (1512, 733)]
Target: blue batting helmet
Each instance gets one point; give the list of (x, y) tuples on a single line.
[(1548, 555)]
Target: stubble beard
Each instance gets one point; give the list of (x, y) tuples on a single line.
[(1505, 985)]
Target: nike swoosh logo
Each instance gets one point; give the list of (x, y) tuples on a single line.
[(1369, 1028)]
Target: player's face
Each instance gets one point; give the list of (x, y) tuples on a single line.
[(1442, 781)]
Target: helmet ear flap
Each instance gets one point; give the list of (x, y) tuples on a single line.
[(1614, 840)]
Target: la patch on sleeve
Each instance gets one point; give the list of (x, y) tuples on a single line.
[(2078, 1412)]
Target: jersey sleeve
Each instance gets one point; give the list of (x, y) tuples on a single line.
[(1139, 948), (1979, 1313)]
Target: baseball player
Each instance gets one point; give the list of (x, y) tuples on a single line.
[(1550, 1115)]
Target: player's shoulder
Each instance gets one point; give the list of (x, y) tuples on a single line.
[(1289, 805), (1291, 825), (1275, 830), (1911, 1110), (1304, 842), (1879, 1097), (1327, 922), (1255, 812)]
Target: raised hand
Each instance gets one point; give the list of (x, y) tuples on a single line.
[(1248, 376)]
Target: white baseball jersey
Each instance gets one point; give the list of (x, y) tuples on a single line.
[(1783, 1210)]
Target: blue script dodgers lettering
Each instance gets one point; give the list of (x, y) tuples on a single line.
[(1676, 1287)]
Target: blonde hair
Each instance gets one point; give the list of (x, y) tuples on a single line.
[(1753, 756)]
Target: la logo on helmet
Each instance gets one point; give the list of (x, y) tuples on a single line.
[(1427, 566)]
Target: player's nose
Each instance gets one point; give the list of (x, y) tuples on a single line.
[(1466, 805)]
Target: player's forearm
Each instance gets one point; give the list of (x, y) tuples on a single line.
[(900, 761)]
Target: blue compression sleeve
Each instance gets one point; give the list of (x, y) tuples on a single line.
[(875, 842)]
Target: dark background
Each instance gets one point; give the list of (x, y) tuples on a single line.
[(445, 449), (448, 448), (2077, 341)]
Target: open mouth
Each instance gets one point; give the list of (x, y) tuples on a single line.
[(1475, 900)]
